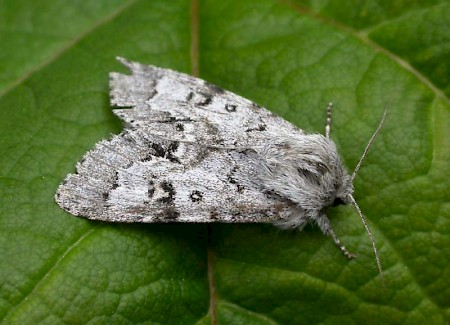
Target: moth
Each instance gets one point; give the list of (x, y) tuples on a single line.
[(193, 152)]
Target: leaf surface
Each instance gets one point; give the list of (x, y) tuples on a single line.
[(292, 57)]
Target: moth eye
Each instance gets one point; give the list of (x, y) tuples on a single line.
[(338, 201)]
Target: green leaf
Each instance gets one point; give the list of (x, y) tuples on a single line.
[(290, 56)]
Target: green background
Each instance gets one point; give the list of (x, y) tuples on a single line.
[(290, 56)]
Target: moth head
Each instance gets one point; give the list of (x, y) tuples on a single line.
[(343, 192)]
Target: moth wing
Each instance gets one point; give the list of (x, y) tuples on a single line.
[(167, 164), (130, 179), (192, 109)]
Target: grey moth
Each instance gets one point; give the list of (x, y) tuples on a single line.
[(193, 152)]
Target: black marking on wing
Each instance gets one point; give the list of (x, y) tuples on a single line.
[(151, 189), (158, 150), (169, 190), (213, 89), (199, 98), (261, 127), (115, 183), (167, 215), (231, 179), (152, 94), (170, 213), (179, 127), (172, 148), (196, 196), (230, 108), (256, 106), (207, 99), (214, 215)]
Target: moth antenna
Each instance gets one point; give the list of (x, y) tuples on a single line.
[(363, 219), (358, 166), (328, 120)]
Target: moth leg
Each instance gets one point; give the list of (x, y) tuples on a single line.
[(325, 226), (340, 245)]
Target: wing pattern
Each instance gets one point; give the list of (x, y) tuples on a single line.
[(185, 146)]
